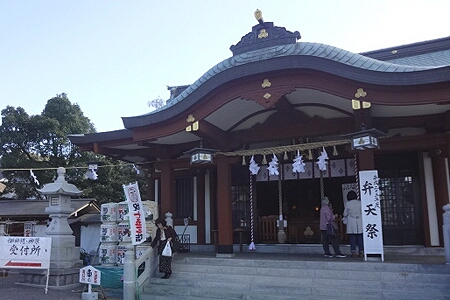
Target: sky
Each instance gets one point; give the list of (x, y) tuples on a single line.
[(113, 57)]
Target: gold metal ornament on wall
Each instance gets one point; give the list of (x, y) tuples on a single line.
[(267, 96), (266, 83), (194, 126), (359, 104), (263, 34), (360, 93)]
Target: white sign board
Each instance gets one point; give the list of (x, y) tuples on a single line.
[(347, 187), (25, 252), (371, 213), (136, 214), (90, 275)]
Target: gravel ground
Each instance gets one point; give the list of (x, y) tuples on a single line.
[(9, 290)]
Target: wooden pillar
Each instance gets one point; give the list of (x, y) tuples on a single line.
[(366, 160), (167, 188), (440, 177), (201, 207), (151, 184), (224, 210)]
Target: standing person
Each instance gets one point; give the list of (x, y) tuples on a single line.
[(328, 217), (164, 234), (353, 214)]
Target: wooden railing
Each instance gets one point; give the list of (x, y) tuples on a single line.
[(268, 229)]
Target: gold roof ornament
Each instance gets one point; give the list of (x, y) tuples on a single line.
[(266, 83), (194, 126), (359, 103), (360, 93), (263, 34), (258, 16)]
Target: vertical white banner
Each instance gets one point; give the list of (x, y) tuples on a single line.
[(136, 213), (371, 213)]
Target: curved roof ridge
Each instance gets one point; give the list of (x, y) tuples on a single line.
[(303, 48)]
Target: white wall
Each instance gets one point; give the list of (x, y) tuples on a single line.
[(90, 238)]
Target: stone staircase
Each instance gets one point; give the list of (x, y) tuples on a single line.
[(272, 276)]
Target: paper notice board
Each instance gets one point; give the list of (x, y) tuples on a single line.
[(25, 252)]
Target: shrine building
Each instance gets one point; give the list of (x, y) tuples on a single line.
[(279, 98)]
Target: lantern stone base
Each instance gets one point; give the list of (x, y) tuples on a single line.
[(64, 254), (58, 279)]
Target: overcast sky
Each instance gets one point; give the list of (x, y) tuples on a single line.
[(112, 57)]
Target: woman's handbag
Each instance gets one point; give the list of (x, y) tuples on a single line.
[(176, 245), (331, 231), (167, 250)]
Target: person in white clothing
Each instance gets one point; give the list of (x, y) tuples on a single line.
[(353, 214)]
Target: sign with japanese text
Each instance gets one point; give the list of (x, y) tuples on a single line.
[(25, 252), (136, 213), (347, 187), (90, 275), (28, 229), (371, 212)]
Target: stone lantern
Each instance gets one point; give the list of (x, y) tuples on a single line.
[(64, 253)]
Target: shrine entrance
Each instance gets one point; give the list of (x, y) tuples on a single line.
[(301, 208), (400, 201)]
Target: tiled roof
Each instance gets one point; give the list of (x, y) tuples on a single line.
[(313, 56), (10, 209), (426, 53), (440, 58), (317, 50)]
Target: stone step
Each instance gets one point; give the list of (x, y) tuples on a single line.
[(290, 276)]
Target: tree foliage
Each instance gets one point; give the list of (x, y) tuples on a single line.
[(40, 143)]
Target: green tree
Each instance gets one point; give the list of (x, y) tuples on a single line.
[(40, 143)]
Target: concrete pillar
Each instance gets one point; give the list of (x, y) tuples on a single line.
[(129, 274)]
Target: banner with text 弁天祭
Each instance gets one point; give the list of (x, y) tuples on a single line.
[(371, 212)]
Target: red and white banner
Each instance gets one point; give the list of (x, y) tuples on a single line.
[(136, 213)]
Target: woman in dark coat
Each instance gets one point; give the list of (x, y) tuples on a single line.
[(164, 234)]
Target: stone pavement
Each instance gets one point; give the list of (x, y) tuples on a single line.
[(9, 290)]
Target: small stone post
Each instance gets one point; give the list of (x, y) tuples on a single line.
[(446, 232), (169, 219)]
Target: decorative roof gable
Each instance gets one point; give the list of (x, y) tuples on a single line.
[(264, 35)]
